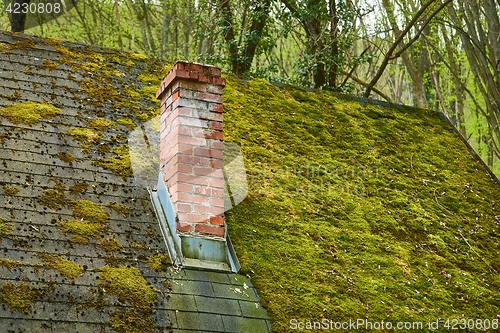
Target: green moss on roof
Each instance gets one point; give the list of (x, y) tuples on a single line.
[(78, 188), (101, 124), (29, 113), (10, 190), (67, 157), (90, 211), (120, 208), (67, 268), (110, 245), (49, 65), (87, 136), (127, 122), (18, 297), (82, 230), (119, 163), (360, 211), (158, 262), (133, 321), (5, 227), (91, 221), (128, 284), (10, 264), (54, 198)]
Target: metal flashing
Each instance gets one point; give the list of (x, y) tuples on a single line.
[(186, 250)]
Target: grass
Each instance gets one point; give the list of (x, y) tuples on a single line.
[(360, 211)]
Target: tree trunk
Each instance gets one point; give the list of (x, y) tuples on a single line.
[(18, 20)]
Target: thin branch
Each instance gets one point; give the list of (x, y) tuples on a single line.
[(398, 40), (417, 35), (365, 84)]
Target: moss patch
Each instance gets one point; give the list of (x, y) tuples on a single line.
[(87, 136), (19, 298), (29, 113), (128, 284), (110, 245), (119, 163), (67, 157), (92, 221), (127, 122), (78, 188), (120, 208), (101, 124), (359, 211), (90, 211), (5, 228), (159, 262), (54, 198), (133, 321), (10, 264), (82, 230), (10, 190), (67, 268)]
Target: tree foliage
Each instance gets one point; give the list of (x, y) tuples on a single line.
[(442, 54)]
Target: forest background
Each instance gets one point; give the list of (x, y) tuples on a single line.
[(438, 54)]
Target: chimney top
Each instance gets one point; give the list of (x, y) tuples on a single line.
[(191, 71)]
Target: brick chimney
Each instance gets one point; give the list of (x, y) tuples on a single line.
[(191, 147)]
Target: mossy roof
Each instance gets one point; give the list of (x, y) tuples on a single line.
[(355, 209), (360, 210), (81, 247)]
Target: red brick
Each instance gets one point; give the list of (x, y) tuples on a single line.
[(180, 65), (205, 152), (217, 182), (200, 171), (190, 131), (184, 227), (193, 160), (193, 122), (186, 168), (215, 107), (209, 229), (175, 95), (219, 164), (189, 140), (192, 198), (180, 187), (184, 111), (208, 97), (193, 218), (183, 208), (211, 211), (217, 220), (209, 191), (216, 125), (183, 149), (217, 202), (190, 179), (208, 115), (217, 173), (197, 86), (216, 144), (214, 135), (214, 89)]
